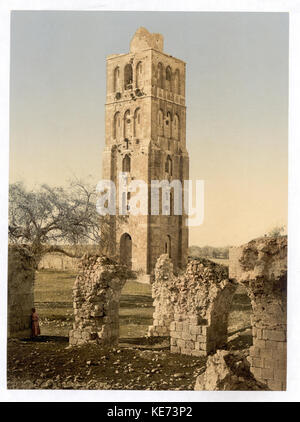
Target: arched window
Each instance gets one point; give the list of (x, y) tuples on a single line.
[(168, 166), (117, 79), (126, 163), (138, 123), (168, 78), (175, 127), (167, 246), (160, 76), (127, 124), (177, 82), (168, 125), (117, 126), (160, 119), (139, 75), (128, 76)]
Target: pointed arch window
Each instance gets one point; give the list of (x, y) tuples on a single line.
[(175, 128), (160, 119), (168, 124), (117, 126), (139, 75), (137, 123), (128, 76), (167, 246), (127, 124), (168, 166), (177, 82), (160, 76), (168, 78), (117, 79), (126, 164)]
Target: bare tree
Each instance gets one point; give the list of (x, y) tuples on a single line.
[(48, 217)]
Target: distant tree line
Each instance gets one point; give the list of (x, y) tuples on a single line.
[(209, 252)]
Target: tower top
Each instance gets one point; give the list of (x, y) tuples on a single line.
[(143, 40)]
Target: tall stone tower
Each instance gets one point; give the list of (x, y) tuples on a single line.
[(146, 139)]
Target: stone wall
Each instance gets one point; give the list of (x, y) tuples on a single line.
[(261, 266), (192, 308), (96, 296), (164, 297), (20, 292)]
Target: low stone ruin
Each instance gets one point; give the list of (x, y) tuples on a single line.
[(261, 266), (96, 295), (228, 371), (21, 276), (193, 308)]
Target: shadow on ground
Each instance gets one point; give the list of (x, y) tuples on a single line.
[(46, 339), (157, 343)]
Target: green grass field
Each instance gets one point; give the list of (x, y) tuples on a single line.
[(53, 300)]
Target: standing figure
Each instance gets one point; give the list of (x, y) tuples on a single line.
[(35, 328)]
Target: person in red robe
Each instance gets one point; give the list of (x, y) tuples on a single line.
[(35, 328)]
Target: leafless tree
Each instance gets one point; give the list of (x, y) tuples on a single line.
[(44, 219)]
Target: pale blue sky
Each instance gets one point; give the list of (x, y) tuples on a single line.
[(237, 105)]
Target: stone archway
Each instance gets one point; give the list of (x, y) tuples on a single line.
[(126, 250)]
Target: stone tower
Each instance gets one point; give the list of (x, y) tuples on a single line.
[(146, 139)]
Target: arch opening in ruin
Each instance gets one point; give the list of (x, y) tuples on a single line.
[(239, 320)]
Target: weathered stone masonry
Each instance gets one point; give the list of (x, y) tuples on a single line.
[(21, 276), (193, 308), (261, 266), (96, 294), (145, 138)]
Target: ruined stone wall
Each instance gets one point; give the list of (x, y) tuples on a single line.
[(164, 297), (96, 296), (193, 307), (261, 266), (20, 292)]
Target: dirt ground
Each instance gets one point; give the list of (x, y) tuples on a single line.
[(138, 363)]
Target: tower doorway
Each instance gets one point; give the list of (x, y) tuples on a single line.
[(126, 250)]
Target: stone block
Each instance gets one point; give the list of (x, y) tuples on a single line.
[(256, 372), (254, 351), (275, 335), (275, 385), (279, 374), (173, 326), (267, 373), (201, 338), (258, 362), (175, 349), (173, 341), (196, 329)]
